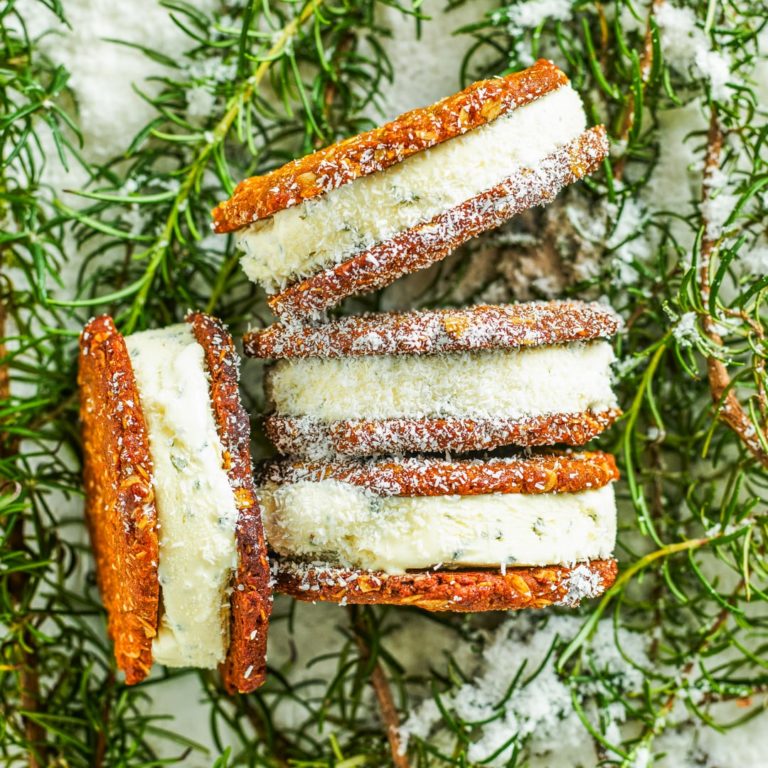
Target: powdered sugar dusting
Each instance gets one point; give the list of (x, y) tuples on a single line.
[(534, 12), (685, 45), (582, 583), (508, 710), (435, 589), (104, 74)]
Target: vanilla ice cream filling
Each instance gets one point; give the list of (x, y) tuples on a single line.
[(345, 524), (502, 383), (196, 509), (300, 241)]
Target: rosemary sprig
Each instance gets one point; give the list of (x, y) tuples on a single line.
[(283, 78)]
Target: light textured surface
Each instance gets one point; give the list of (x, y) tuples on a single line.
[(499, 383), (468, 589), (196, 507), (105, 72), (430, 331), (338, 521), (315, 439), (542, 472)]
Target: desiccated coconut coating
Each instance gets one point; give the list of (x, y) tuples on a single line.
[(245, 667), (425, 332), (383, 147), (120, 507), (431, 241), (446, 590), (313, 439), (555, 472)]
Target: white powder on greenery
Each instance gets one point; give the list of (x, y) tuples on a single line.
[(631, 17), (642, 758), (105, 74), (200, 102), (426, 67), (754, 260), (205, 74), (685, 330), (540, 714), (676, 179), (744, 746), (530, 14), (686, 47), (721, 201), (628, 241)]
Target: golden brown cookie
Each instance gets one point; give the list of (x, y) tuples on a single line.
[(445, 590), (374, 151), (429, 332), (245, 667), (431, 241), (302, 436), (119, 506), (121, 511)]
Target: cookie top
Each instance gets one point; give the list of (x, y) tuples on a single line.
[(560, 472), (426, 332), (329, 168), (120, 507)]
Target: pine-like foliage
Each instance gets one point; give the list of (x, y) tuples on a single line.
[(672, 232)]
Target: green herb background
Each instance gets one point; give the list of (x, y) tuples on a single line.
[(672, 231)]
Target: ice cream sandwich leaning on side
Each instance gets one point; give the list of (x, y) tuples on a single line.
[(176, 530), (442, 380), (443, 535), (355, 216)]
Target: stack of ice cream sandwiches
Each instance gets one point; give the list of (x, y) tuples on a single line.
[(353, 516), (427, 455)]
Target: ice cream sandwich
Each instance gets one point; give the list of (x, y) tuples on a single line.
[(353, 217), (439, 380), (181, 561), (444, 535)]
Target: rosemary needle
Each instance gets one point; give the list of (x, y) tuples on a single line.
[(680, 253)]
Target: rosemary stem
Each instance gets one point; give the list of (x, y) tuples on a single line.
[(729, 408), (618, 587), (194, 174), (382, 690), (646, 65)]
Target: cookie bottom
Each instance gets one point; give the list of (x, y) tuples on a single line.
[(446, 590)]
